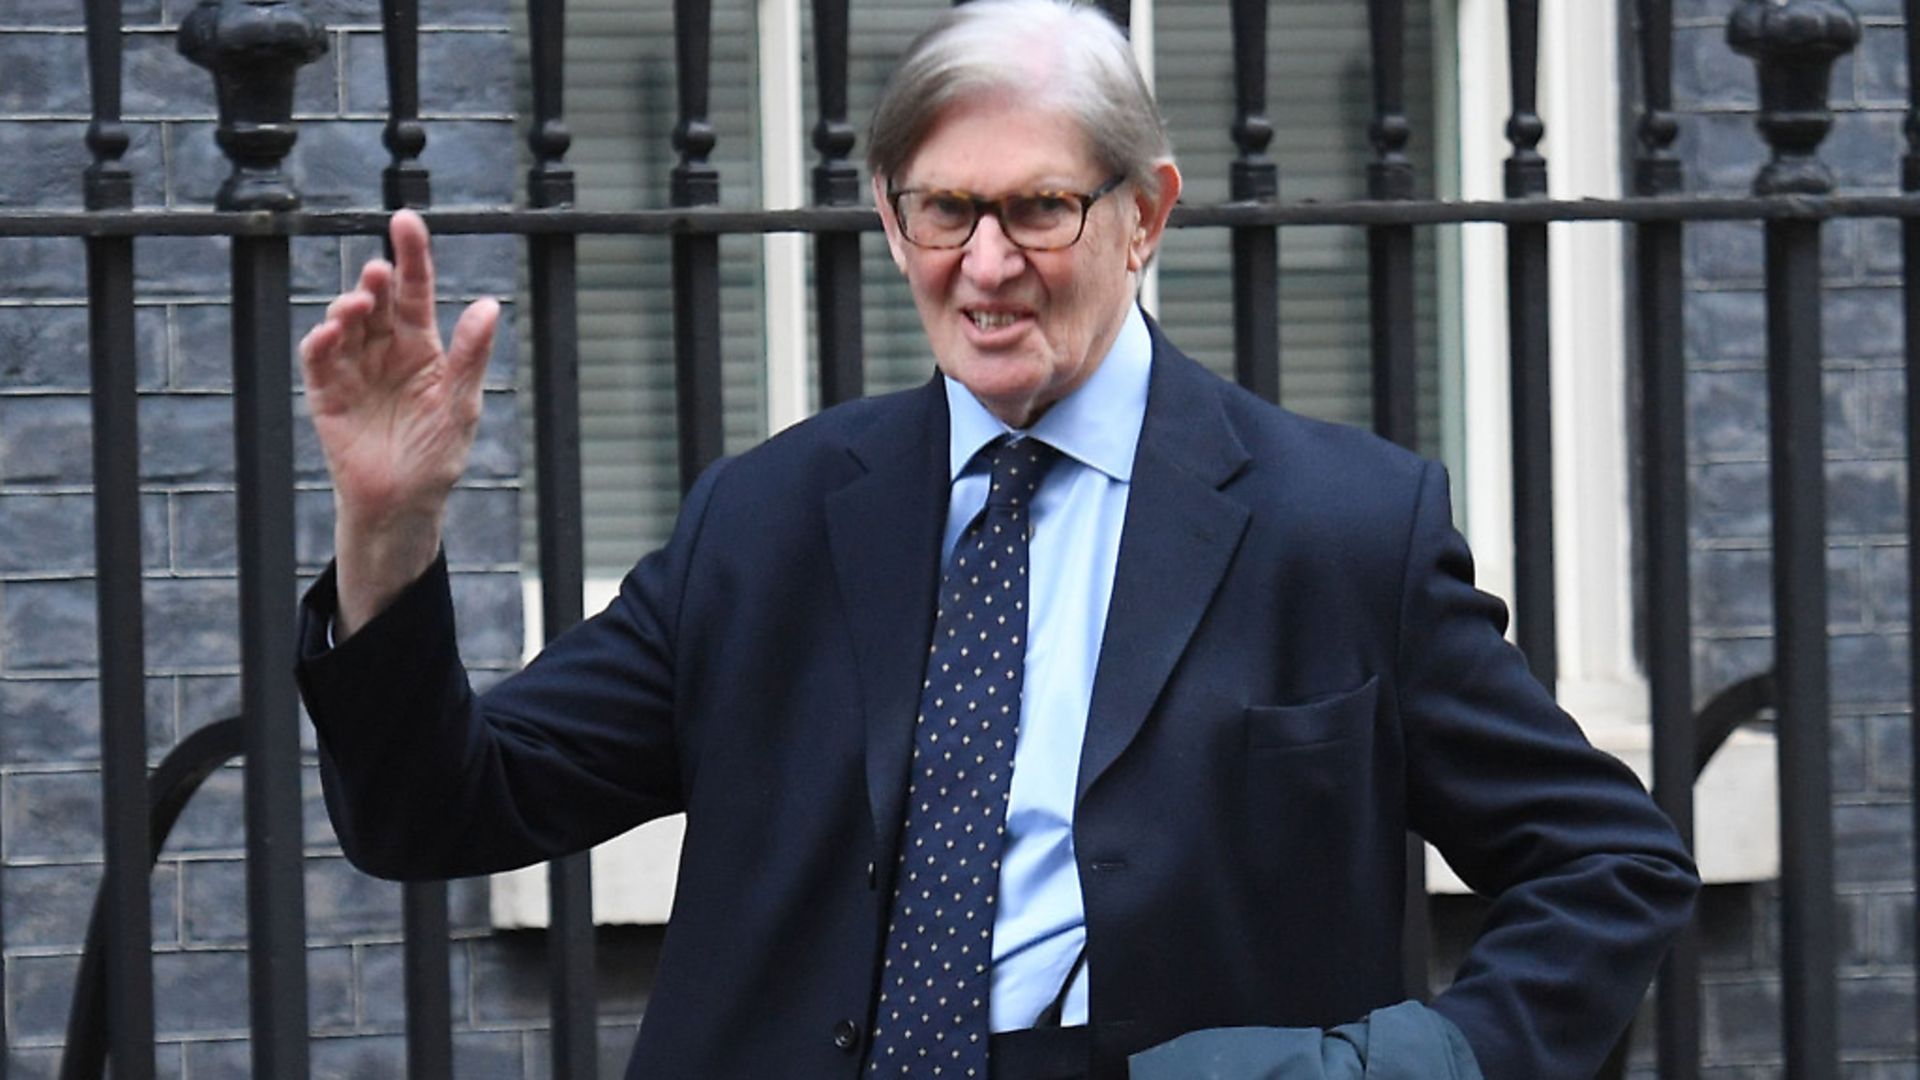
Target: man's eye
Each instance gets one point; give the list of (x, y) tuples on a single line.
[(1041, 209), (945, 209)]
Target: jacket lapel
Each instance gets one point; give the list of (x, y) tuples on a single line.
[(884, 532), (1180, 535)]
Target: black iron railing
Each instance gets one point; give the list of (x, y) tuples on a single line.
[(253, 49)]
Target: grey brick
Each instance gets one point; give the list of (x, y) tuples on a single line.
[(213, 903), (206, 698), (46, 160), (1880, 66), (48, 906), (1862, 323), (1727, 414), (316, 827), (193, 622), (460, 72), (1741, 1019), (186, 440), (1724, 252), (204, 531), (39, 989), (218, 1059), (182, 266), (203, 355), (56, 815), (343, 901), (49, 721), (1723, 152), (1864, 150), (383, 992), (1730, 501), (615, 1047), (490, 1055), (1872, 844), (45, 440), (1885, 589), (160, 82), (625, 960), (1880, 248), (47, 348), (360, 1057), (1866, 412), (1891, 753), (316, 267), (1726, 326), (45, 533), (1869, 669), (1849, 777), (483, 527), (1876, 1013), (465, 157), (48, 626), (66, 13), (1720, 662), (1892, 942), (312, 528), (456, 13), (213, 820), (1707, 72), (1732, 589), (43, 266), (330, 989), (1866, 498), (496, 449), (1846, 578), (489, 623), (201, 991)]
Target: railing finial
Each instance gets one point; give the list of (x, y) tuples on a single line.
[(1794, 44), (254, 49)]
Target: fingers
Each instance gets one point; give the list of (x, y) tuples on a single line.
[(413, 270), (472, 343)]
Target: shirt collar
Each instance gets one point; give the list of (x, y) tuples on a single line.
[(1097, 425)]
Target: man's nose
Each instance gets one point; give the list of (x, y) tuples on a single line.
[(990, 258)]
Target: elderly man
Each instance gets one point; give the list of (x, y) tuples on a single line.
[(1063, 717)]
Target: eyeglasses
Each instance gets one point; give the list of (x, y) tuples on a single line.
[(1033, 221)]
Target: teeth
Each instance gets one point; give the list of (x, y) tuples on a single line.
[(986, 320)]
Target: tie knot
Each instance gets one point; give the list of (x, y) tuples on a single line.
[(1018, 467)]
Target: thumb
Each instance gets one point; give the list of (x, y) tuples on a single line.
[(472, 343)]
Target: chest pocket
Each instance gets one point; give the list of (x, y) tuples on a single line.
[(1325, 720)]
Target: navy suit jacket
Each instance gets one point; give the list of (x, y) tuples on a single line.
[(1296, 670)]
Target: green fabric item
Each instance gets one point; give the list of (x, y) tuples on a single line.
[(1407, 1041)]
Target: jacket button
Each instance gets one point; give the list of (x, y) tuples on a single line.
[(846, 1035), (873, 879)]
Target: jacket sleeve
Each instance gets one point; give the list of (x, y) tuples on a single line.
[(1405, 1042), (424, 779), (1587, 878)]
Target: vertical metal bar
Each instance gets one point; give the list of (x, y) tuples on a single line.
[(696, 259), (405, 183), (836, 182), (1256, 248), (116, 506), (1910, 295), (1530, 384), (1396, 390), (263, 438), (1794, 45), (556, 402), (1663, 482), (254, 51)]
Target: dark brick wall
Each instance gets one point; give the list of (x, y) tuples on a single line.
[(49, 740), (1732, 604)]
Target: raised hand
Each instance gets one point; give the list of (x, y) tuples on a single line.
[(396, 415)]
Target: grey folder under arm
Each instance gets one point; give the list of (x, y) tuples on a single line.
[(1405, 1042)]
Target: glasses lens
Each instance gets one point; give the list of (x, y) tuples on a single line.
[(937, 218), (1043, 220)]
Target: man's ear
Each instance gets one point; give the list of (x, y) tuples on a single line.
[(1150, 215), (895, 245)]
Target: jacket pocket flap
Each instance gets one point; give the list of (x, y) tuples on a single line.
[(1322, 720)]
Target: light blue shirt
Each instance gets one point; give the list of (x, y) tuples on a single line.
[(1040, 921)]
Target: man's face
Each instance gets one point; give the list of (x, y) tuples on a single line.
[(1020, 329)]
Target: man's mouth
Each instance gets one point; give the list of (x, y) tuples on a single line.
[(993, 320)]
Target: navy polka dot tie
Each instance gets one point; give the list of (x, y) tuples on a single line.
[(936, 977)]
